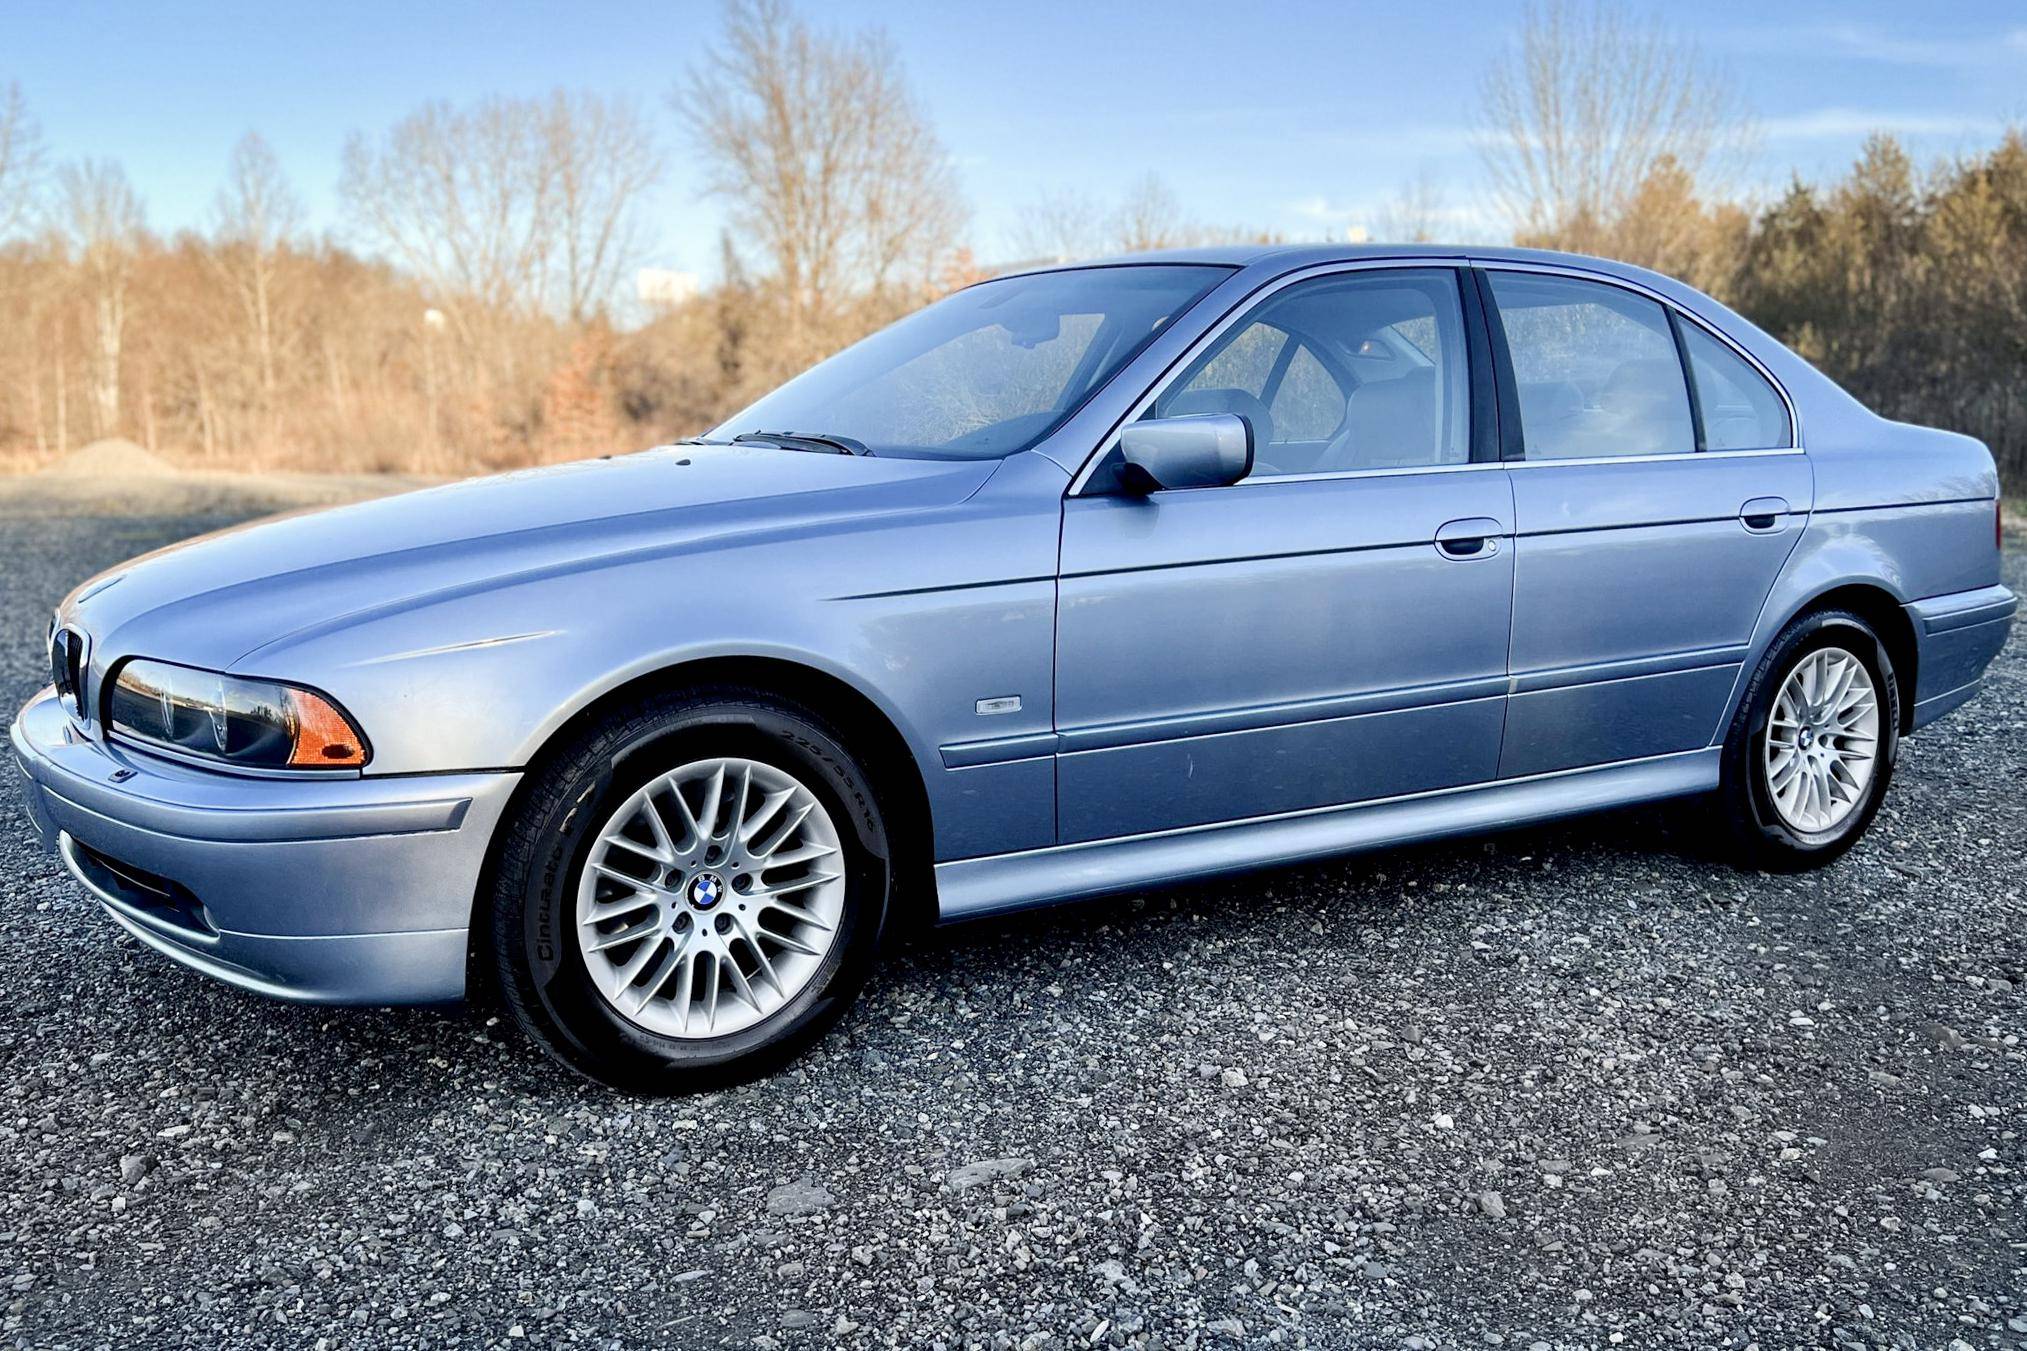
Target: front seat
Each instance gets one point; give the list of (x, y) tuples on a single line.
[(1388, 424)]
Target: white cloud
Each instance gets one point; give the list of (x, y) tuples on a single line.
[(2004, 47), (1837, 124), (1466, 222), (1407, 142), (1318, 208), (1874, 44)]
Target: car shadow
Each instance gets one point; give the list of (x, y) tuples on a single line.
[(336, 1066)]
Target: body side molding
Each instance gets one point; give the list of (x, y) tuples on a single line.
[(970, 888)]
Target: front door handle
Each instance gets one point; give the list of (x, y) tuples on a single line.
[(1762, 515), (1472, 537)]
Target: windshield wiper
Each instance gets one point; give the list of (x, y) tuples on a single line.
[(836, 445)]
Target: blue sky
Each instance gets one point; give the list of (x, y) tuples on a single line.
[(1300, 117)]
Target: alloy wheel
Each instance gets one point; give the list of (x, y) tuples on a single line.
[(1822, 740), (711, 898)]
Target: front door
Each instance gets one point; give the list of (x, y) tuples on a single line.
[(1654, 508), (1331, 630)]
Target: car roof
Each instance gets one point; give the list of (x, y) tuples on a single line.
[(1292, 257)]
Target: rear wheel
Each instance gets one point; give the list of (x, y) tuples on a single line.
[(691, 891), (1813, 745)]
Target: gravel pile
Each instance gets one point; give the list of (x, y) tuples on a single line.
[(121, 484), (1567, 1087), (112, 457)]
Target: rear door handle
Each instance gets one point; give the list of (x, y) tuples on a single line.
[(1472, 537), (1762, 515)]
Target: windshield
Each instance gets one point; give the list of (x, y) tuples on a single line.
[(986, 372)]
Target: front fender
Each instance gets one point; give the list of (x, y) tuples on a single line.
[(925, 617)]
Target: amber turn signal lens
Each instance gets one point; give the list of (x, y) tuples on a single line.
[(324, 737)]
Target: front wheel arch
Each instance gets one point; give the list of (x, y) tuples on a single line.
[(871, 734)]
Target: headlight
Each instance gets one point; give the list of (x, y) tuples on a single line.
[(261, 724)]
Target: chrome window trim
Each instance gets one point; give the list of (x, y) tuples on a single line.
[(1254, 299), (1795, 442), (1247, 305), (1395, 471), (1402, 470), (1702, 455)]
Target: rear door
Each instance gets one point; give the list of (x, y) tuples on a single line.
[(1655, 502)]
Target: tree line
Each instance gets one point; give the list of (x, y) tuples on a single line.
[(469, 313), (1907, 285), (473, 312)]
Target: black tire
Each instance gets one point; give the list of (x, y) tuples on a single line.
[(547, 837), (1756, 835)]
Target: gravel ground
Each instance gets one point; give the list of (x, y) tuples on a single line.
[(1568, 1087)]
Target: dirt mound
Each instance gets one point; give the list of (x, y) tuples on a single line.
[(111, 458)]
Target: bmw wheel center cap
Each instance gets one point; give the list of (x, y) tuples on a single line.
[(706, 890)]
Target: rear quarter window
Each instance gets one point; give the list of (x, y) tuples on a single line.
[(1740, 409)]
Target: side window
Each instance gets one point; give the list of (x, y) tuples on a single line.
[(1740, 410), (1595, 368), (1245, 363), (1309, 405), (1360, 370)]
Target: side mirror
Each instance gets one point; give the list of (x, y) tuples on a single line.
[(1204, 451)]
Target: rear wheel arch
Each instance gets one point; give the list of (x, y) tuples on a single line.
[(1754, 815), (1879, 608)]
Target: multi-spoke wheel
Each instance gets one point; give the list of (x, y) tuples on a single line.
[(710, 897), (691, 889), (1812, 748), (1822, 739)]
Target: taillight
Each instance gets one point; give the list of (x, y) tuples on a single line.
[(1999, 524)]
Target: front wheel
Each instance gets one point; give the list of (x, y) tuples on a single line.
[(1813, 745), (689, 891)]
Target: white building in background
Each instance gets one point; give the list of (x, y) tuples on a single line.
[(664, 287)]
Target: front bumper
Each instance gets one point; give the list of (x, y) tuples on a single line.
[(341, 890)]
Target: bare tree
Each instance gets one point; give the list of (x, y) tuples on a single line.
[(508, 207), (465, 200), (102, 217), (1150, 217), (20, 161), (825, 159), (604, 159), (26, 290), (1067, 225), (1413, 215), (1580, 113), (1059, 226), (258, 216)]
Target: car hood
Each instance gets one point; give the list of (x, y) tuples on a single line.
[(213, 601)]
